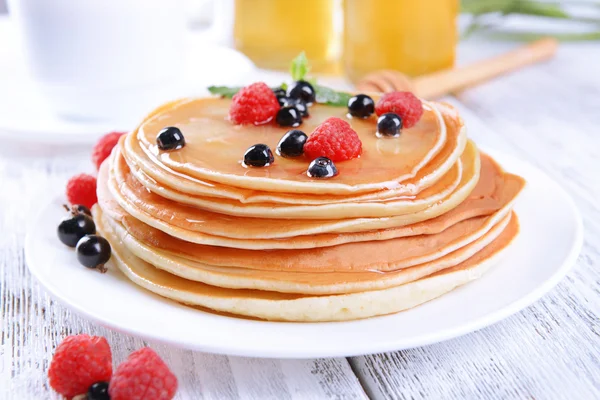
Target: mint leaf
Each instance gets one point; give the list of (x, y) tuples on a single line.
[(229, 91), (299, 67), (324, 94), (331, 97), (224, 91)]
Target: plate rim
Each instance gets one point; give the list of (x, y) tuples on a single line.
[(369, 347)]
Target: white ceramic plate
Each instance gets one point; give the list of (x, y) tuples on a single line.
[(550, 240)]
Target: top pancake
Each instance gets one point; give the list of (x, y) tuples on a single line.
[(215, 148), (164, 180)]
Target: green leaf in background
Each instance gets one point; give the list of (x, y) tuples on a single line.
[(224, 91), (505, 7), (331, 97), (539, 9), (531, 36), (488, 16), (299, 67)]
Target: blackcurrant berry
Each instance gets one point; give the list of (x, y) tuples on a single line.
[(279, 92), (71, 229), (389, 124), (281, 96), (292, 143), (300, 106), (283, 101), (98, 391), (361, 106), (93, 251), (259, 155), (170, 138), (322, 167), (289, 116), (302, 90)]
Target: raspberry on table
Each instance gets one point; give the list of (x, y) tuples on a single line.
[(79, 362), (81, 189), (104, 146), (144, 375), (255, 104), (405, 104), (334, 139)]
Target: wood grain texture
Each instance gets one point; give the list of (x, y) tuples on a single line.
[(33, 324), (548, 115)]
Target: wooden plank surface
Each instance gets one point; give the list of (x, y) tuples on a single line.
[(548, 115), (33, 324)]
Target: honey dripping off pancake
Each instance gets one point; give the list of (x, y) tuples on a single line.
[(411, 219)]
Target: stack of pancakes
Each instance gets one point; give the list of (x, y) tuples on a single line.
[(411, 219)]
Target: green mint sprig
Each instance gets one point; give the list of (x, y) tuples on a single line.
[(224, 91), (331, 97), (299, 69)]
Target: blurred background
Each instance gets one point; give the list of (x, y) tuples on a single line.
[(84, 68)]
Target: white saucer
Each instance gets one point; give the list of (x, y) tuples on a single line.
[(550, 240), (26, 117)]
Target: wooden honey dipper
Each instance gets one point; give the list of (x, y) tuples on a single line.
[(449, 81)]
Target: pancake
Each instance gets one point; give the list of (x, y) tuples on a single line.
[(491, 194), (170, 184), (412, 218), (288, 280), (215, 149), (372, 208), (278, 306), (386, 255), (195, 225), (479, 203)]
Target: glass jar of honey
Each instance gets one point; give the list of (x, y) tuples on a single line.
[(414, 37), (273, 32)]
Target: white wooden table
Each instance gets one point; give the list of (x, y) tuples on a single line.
[(548, 115)]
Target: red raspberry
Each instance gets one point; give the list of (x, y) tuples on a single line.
[(81, 189), (144, 375), (255, 104), (405, 104), (334, 139), (104, 146), (78, 362)]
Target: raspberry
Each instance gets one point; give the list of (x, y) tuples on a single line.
[(255, 104), (81, 189), (104, 146), (405, 104), (78, 362), (334, 139), (144, 375)]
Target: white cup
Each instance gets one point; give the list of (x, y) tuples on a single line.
[(102, 59)]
